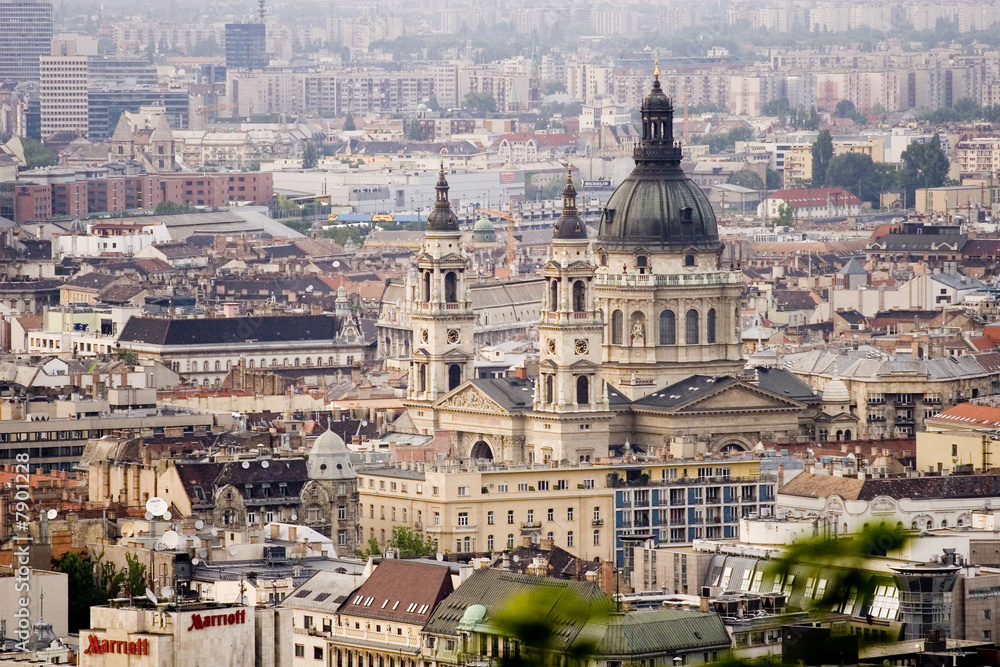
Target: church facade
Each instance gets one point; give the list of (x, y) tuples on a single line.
[(639, 340)]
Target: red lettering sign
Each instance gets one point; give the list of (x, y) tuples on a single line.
[(200, 622), (100, 646)]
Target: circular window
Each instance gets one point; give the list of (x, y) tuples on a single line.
[(340, 467), (322, 466)]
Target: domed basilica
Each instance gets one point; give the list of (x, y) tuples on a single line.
[(639, 337)]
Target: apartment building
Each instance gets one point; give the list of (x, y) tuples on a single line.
[(589, 510), (25, 34)]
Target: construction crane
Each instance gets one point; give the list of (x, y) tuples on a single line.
[(511, 221)]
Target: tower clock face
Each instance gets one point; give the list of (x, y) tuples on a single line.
[(551, 346), (423, 335), (453, 336), (581, 346)]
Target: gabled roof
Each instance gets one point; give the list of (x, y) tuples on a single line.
[(969, 416), (93, 281), (401, 590)]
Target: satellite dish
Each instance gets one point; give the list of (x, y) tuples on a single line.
[(167, 516), (203, 553), (167, 592), (336, 263), (246, 465), (199, 524), (128, 529), (232, 551), (264, 464), (195, 561), (295, 517), (52, 514), (156, 506), (517, 558), (171, 539), (148, 516), (151, 596)]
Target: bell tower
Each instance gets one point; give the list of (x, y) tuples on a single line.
[(570, 377), (443, 346)]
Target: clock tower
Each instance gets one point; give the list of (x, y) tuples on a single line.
[(443, 347), (570, 380)]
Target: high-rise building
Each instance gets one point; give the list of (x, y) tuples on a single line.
[(63, 94), (25, 34), (246, 46)]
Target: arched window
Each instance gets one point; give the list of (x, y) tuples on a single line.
[(579, 297), (691, 327), (250, 364), (296, 362), (427, 286), (710, 326), (274, 363), (218, 365), (553, 295), (454, 376), (284, 362), (309, 361), (582, 390), (204, 366), (617, 327), (668, 328), (451, 287), (549, 388)]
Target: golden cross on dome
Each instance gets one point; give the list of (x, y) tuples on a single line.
[(656, 68)]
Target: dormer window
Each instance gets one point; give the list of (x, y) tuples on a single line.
[(688, 260), (687, 214), (641, 263)]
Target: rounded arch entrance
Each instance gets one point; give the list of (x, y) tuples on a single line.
[(732, 443), (481, 450)]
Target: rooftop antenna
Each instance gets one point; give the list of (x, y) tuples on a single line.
[(261, 10)]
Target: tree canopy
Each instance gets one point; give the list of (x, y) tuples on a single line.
[(924, 166), (746, 178), (481, 103), (822, 153)]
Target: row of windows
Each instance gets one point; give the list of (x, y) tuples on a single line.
[(502, 487), (667, 328)]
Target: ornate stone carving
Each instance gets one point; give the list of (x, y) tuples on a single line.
[(471, 399), (883, 504), (834, 505)]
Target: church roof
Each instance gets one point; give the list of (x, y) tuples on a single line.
[(511, 394), (657, 207), (681, 392), (329, 458)]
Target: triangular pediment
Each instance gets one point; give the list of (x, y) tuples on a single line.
[(456, 354), (469, 397), (840, 418), (421, 353), (583, 365), (740, 397)]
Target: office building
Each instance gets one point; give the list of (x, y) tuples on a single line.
[(25, 34), (63, 93), (246, 46)]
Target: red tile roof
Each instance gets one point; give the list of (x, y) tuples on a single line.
[(382, 595), (815, 197), (967, 414)]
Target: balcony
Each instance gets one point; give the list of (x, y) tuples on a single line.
[(651, 280), (597, 522), (418, 526), (465, 529), (364, 635), (531, 525)]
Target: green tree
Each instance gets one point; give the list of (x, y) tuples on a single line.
[(410, 544), (553, 87), (414, 132), (37, 154), (432, 103), (535, 620), (310, 156), (746, 178), (349, 123), (822, 153), (846, 109), (135, 576), (772, 179), (786, 216), (851, 171), (172, 208), (481, 103), (80, 586), (924, 166), (373, 549)]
